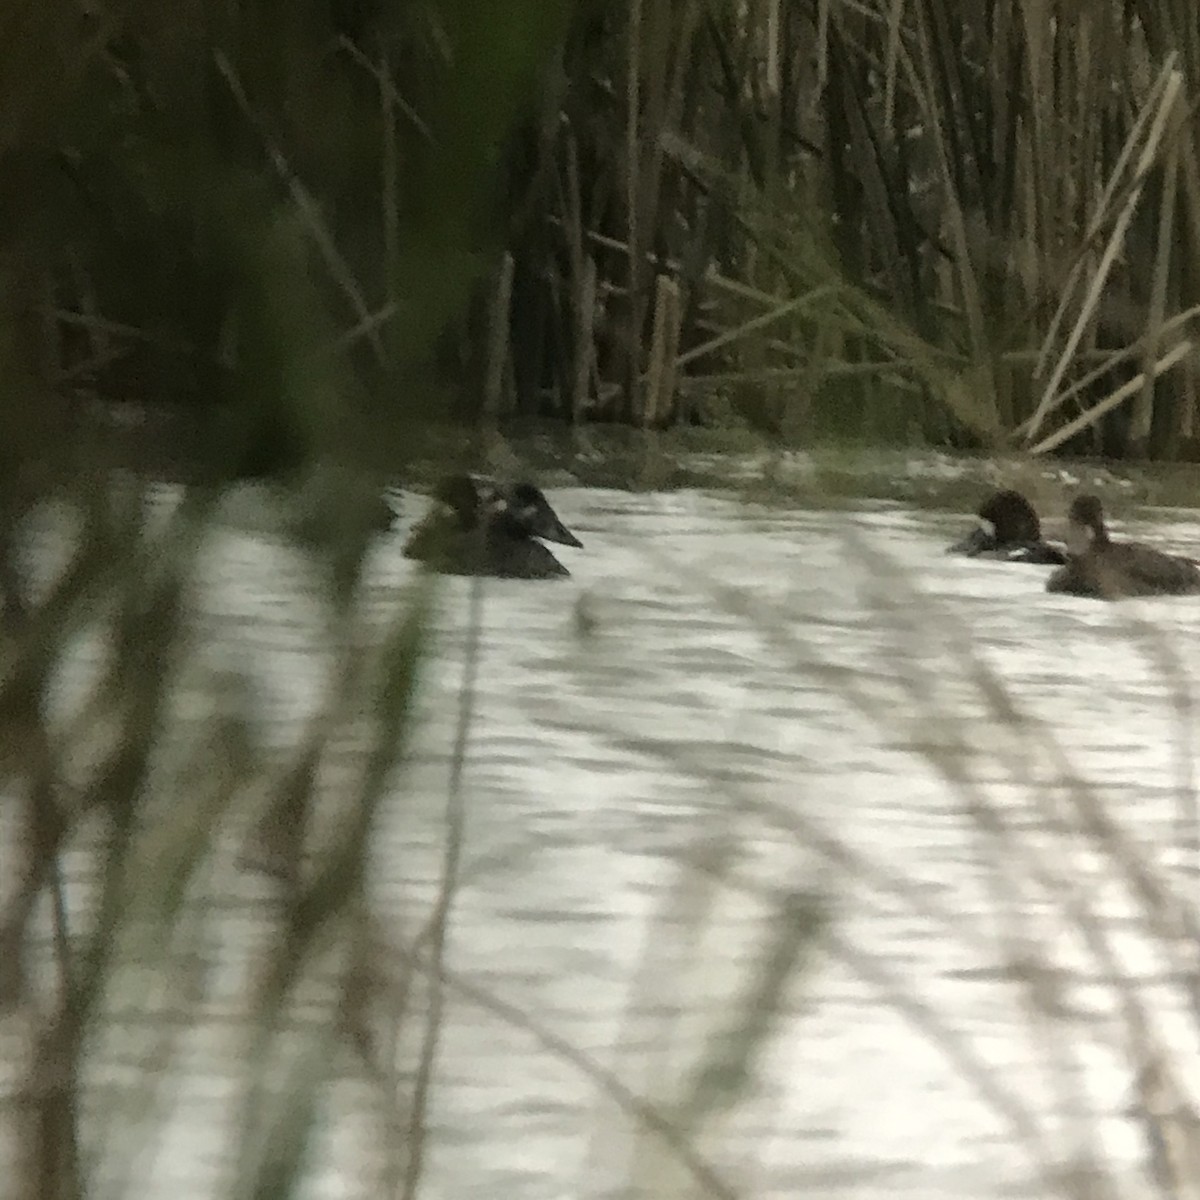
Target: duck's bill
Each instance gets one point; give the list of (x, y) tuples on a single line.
[(976, 542), (549, 528), (532, 512)]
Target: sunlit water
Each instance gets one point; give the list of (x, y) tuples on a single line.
[(763, 702)]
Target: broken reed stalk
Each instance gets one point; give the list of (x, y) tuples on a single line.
[(659, 386), (585, 324), (633, 193), (1167, 89), (498, 339), (1143, 406), (1179, 352), (389, 166), (306, 205)]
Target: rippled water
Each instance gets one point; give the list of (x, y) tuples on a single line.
[(760, 690)]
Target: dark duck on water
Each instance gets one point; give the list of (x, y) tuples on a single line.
[(481, 527), (1008, 530)]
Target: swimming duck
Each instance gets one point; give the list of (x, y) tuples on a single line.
[(1099, 567), (481, 527), (1008, 530)]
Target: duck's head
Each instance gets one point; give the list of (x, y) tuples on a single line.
[(460, 494), (1085, 524), (530, 510), (1003, 519)]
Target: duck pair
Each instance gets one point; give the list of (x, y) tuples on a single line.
[(481, 527), (1089, 564)]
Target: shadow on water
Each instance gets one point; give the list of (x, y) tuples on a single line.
[(769, 714)]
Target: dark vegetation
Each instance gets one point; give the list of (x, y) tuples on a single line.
[(942, 222)]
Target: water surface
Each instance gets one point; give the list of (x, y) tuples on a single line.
[(765, 700)]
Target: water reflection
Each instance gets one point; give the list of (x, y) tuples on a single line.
[(817, 743)]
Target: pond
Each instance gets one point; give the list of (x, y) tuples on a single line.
[(728, 705)]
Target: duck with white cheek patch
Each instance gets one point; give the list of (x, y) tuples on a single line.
[(1008, 530)]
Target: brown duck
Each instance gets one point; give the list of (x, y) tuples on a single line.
[(1107, 570)]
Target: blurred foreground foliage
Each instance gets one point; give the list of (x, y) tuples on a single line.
[(269, 213), (192, 207)]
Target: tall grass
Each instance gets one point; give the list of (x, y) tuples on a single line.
[(951, 221), (961, 219)]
